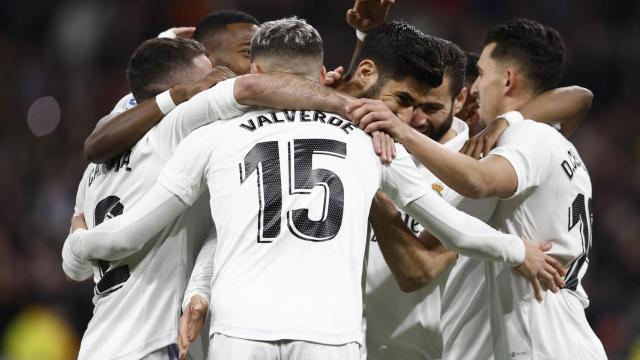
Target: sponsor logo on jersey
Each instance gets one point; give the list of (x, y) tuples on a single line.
[(438, 187)]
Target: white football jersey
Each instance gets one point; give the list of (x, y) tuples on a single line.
[(552, 202), (403, 325), (138, 299), (290, 197)]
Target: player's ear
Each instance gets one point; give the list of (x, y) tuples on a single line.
[(366, 74), (323, 74), (509, 81), (458, 102), (255, 68)]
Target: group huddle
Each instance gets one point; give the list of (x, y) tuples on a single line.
[(302, 214)]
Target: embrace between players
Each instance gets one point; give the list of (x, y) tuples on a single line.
[(251, 200)]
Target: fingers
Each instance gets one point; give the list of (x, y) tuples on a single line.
[(537, 289), (547, 278), (556, 265), (558, 282), (487, 146), (185, 32), (477, 150), (356, 109), (377, 142)]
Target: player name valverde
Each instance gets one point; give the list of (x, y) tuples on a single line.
[(259, 121)]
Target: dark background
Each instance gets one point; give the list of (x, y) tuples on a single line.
[(62, 67)]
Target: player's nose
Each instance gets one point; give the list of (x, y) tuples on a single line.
[(419, 118)]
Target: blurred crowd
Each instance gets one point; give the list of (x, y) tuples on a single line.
[(62, 66)]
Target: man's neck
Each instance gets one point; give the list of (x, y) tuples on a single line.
[(516, 102), (450, 134)]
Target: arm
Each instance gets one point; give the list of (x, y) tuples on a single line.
[(84, 270), (493, 176), (287, 91), (566, 106), (128, 233), (412, 263), (200, 281), (118, 132)]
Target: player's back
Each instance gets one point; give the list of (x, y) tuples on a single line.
[(552, 202), (137, 299), (290, 194)]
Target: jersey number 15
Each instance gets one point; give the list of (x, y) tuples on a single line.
[(264, 159)]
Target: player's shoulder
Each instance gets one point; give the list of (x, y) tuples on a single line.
[(529, 131)]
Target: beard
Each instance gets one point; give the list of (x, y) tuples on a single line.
[(374, 91), (440, 131)]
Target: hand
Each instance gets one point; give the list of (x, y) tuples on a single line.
[(384, 146), (538, 266), (178, 32), (191, 323), (481, 144), (368, 14), (372, 115), (77, 222), (183, 92), (334, 77)]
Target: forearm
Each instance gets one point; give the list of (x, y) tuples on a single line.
[(200, 281), (463, 174), (116, 133), (463, 233), (287, 91), (126, 234), (566, 105)]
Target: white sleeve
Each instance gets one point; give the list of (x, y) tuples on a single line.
[(81, 270), (126, 234), (127, 102), (463, 233), (216, 103), (200, 281), (185, 173), (526, 146), (401, 180)]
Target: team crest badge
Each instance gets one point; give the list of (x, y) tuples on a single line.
[(438, 187)]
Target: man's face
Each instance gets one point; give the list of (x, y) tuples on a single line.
[(231, 47), (488, 87), (434, 116), (400, 96)]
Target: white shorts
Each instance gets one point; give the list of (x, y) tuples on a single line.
[(557, 329), (225, 347)]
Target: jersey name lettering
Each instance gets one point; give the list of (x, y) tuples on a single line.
[(259, 121)]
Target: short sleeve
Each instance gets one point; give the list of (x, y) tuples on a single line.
[(217, 103), (184, 175), (126, 103), (401, 180), (527, 148)]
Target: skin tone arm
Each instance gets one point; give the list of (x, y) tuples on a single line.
[(412, 262), (116, 133), (567, 106), (493, 176)]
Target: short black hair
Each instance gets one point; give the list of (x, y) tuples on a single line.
[(471, 71), (216, 21), (455, 62), (537, 48), (400, 50), (154, 62)]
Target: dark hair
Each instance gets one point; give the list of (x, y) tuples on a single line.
[(291, 37), (155, 61), (471, 71), (537, 48), (400, 50), (214, 22), (454, 62)]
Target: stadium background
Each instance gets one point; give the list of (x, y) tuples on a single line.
[(62, 66)]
